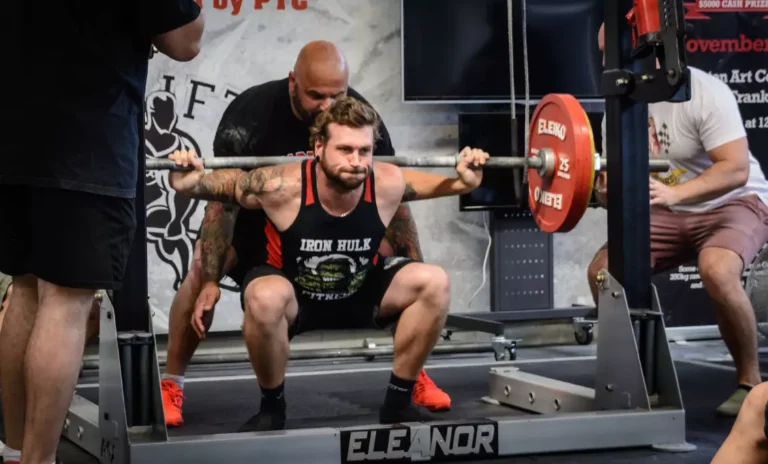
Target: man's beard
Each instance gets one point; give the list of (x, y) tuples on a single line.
[(339, 182), (304, 115)]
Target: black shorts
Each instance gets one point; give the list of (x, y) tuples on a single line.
[(240, 270), (359, 311), (66, 237), (250, 243)]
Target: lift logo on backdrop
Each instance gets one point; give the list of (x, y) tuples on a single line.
[(168, 214), (421, 443), (169, 229)]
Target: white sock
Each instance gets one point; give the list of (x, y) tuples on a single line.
[(177, 379), (11, 454)]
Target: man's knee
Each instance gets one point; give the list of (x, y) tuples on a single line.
[(434, 285), (599, 262), (266, 301), (79, 301), (720, 268)]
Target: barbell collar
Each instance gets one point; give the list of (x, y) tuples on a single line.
[(252, 162)]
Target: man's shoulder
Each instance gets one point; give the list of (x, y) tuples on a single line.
[(246, 119), (389, 179), (285, 175), (387, 170), (702, 80), (706, 91), (258, 95), (278, 183)]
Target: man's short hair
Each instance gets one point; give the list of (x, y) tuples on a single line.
[(345, 111)]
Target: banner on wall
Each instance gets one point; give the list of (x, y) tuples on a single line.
[(728, 39), (171, 230)]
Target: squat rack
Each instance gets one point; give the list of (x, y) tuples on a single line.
[(636, 397)]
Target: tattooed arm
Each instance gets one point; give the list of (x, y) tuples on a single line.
[(401, 237), (402, 234), (233, 186), (217, 229), (223, 185), (215, 238), (424, 186), (219, 222)]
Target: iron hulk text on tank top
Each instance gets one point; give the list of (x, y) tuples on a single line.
[(327, 258)]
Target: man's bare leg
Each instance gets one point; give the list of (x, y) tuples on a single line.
[(19, 321), (182, 339), (51, 372), (721, 271), (420, 293), (270, 309)]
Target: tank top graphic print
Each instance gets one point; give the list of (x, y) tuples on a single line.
[(327, 258)]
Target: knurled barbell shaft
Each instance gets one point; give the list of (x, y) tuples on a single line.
[(252, 162)]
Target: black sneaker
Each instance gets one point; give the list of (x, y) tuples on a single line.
[(264, 421), (410, 413)]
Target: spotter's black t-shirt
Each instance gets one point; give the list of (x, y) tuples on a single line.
[(73, 115), (260, 122)]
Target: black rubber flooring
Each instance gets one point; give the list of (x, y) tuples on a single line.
[(349, 399), (763, 363)]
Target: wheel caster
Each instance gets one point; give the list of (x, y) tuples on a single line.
[(370, 345), (585, 335), (446, 335), (508, 354), (583, 330), (504, 350)]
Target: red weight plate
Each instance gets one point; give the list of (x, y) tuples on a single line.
[(559, 201)]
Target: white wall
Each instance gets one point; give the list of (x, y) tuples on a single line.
[(255, 45)]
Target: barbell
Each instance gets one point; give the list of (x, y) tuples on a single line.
[(543, 162), (561, 163)]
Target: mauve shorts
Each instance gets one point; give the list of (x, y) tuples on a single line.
[(740, 225)]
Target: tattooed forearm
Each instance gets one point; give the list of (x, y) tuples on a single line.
[(410, 193), (217, 186), (262, 180), (215, 239), (402, 234)]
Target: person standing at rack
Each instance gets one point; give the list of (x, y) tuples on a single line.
[(68, 217)]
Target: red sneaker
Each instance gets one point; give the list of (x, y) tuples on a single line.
[(173, 398), (426, 393)]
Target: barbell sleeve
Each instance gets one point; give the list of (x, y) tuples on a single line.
[(252, 162)]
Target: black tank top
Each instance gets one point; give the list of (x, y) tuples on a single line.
[(327, 257)]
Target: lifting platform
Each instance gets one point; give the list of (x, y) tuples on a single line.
[(635, 400)]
